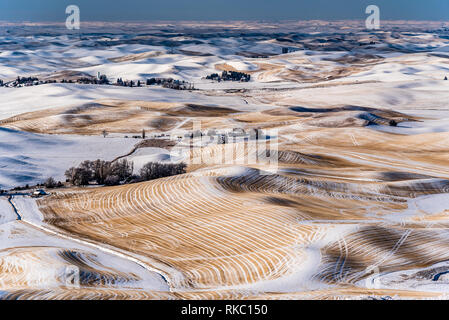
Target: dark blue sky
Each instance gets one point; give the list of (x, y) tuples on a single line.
[(147, 10)]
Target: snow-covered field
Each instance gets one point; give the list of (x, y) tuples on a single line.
[(28, 158), (7, 214), (17, 101), (362, 187), (53, 261)]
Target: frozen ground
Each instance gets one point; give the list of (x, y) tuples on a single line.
[(27, 99), (47, 259), (27, 158), (372, 195), (7, 214)]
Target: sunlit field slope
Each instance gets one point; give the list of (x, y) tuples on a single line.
[(349, 200)]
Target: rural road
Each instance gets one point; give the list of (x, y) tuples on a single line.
[(14, 208)]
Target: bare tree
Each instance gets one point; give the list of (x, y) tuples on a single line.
[(50, 183), (100, 170), (156, 170), (78, 176), (123, 169), (112, 180)]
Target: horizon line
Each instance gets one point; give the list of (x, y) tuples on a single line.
[(218, 21)]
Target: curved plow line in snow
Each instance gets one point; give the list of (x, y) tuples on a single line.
[(203, 206), (105, 248)]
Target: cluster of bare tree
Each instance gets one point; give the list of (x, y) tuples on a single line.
[(52, 183), (119, 172), (229, 76), (128, 83), (32, 81), (101, 79), (101, 172), (171, 83), (156, 170)]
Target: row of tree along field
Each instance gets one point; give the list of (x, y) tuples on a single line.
[(109, 173), (120, 172)]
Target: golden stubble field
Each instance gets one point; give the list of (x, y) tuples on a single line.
[(333, 211)]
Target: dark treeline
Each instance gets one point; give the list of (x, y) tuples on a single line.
[(50, 183), (33, 81), (170, 83), (24, 81), (103, 80), (127, 83), (164, 82), (230, 76), (156, 170), (101, 172), (119, 172)]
